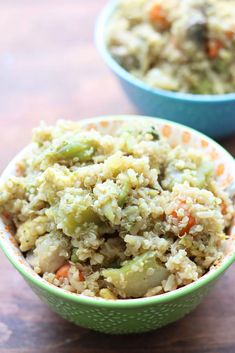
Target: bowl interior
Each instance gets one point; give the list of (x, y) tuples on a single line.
[(100, 39), (175, 134)]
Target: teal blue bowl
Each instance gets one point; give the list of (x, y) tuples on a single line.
[(213, 115)]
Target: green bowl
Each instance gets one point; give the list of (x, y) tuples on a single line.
[(133, 315)]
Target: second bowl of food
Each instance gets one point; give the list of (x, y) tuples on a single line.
[(171, 64), (119, 224)]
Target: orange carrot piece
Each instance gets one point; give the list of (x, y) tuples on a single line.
[(157, 15), (6, 215), (229, 34), (174, 214), (81, 276), (223, 207), (63, 271), (214, 48), (191, 222)]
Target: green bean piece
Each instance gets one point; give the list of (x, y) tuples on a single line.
[(71, 221), (136, 276), (74, 257), (122, 198), (108, 212), (205, 171), (82, 150)]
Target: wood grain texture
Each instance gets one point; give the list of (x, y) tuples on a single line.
[(49, 69)]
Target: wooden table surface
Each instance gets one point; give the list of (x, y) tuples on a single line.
[(49, 69)]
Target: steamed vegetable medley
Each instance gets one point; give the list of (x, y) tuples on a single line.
[(116, 216), (176, 45)]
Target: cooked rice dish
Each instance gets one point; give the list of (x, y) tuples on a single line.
[(176, 45), (121, 215)]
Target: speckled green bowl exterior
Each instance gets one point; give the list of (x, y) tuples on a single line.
[(135, 315)]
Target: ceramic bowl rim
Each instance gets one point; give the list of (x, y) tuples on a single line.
[(100, 29), (121, 303)]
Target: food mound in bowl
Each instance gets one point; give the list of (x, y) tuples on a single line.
[(120, 215), (176, 45)]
